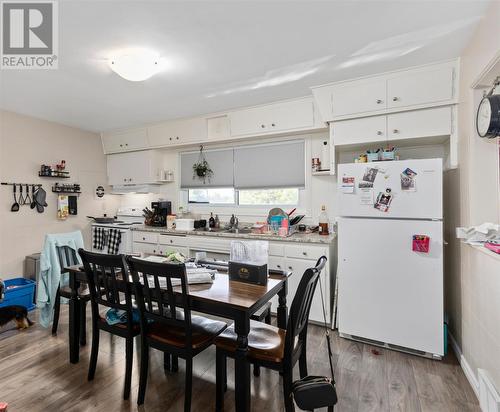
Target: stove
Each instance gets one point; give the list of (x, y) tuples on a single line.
[(127, 217)]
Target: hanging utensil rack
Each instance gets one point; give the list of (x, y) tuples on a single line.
[(21, 184)]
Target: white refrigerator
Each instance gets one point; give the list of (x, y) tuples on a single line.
[(390, 250)]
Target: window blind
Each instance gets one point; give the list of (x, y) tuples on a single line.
[(267, 166), (220, 161)]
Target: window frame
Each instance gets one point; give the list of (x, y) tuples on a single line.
[(237, 199)]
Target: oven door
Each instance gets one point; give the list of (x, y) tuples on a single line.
[(125, 243)]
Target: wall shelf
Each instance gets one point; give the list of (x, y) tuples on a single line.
[(61, 175), (325, 172)]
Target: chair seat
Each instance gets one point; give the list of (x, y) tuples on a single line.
[(265, 342), (65, 292), (204, 331), (136, 328)]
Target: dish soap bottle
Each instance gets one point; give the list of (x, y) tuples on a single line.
[(217, 222), (211, 221), (323, 221)]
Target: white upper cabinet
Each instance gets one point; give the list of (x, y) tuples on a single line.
[(178, 132), (410, 89), (420, 88), (123, 141), (357, 131), (218, 128), (359, 97), (273, 118), (134, 168), (420, 123)]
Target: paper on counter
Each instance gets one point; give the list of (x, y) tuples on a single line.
[(477, 235)]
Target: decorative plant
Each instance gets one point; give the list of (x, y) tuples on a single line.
[(201, 169)]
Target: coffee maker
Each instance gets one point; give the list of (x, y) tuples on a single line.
[(161, 210)]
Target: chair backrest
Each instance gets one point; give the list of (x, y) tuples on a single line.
[(108, 278), (67, 257), (161, 291), (301, 305)]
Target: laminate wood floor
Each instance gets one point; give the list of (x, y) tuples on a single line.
[(35, 375)]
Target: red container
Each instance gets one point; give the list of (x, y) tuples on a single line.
[(421, 243)]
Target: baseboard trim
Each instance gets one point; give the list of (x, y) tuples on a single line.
[(469, 374)]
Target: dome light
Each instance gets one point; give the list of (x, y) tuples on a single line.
[(136, 65)]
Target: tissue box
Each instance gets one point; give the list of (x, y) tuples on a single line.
[(246, 272)]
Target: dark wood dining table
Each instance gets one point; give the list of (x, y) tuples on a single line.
[(224, 298)]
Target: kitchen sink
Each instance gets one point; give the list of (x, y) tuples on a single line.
[(243, 230)]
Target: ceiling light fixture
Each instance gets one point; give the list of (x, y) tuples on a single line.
[(136, 65)]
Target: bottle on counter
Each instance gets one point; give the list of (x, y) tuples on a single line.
[(217, 222), (211, 221), (323, 221)]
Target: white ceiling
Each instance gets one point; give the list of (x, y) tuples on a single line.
[(227, 54)]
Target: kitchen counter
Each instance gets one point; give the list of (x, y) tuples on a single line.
[(296, 237)]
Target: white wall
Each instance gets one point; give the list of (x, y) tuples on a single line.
[(472, 276), (25, 144)]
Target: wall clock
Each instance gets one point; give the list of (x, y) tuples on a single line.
[(488, 116)]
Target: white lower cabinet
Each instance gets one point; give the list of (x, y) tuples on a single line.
[(147, 248), (294, 257), (298, 267)]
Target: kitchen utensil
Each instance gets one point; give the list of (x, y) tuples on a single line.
[(27, 199), (40, 196), (291, 212), (102, 219), (15, 205), (33, 194), (21, 196), (296, 219)]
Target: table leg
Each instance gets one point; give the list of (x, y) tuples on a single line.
[(282, 312), (74, 320), (241, 366)]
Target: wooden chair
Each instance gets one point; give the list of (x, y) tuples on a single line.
[(67, 257), (166, 320), (271, 347), (108, 279), (262, 315)]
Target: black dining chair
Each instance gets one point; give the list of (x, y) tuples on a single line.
[(67, 257), (110, 288), (272, 347), (161, 292)]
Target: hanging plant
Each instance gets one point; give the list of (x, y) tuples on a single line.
[(201, 169)]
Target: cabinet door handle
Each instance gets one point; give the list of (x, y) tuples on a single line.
[(170, 138), (395, 99), (273, 124), (124, 180), (177, 137), (143, 238), (171, 241), (289, 267), (395, 131), (379, 101), (126, 144), (278, 266), (304, 253), (379, 133), (121, 145), (262, 125)]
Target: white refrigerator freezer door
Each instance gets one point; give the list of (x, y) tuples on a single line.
[(425, 202), (387, 292)]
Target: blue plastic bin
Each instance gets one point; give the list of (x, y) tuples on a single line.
[(22, 294)]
